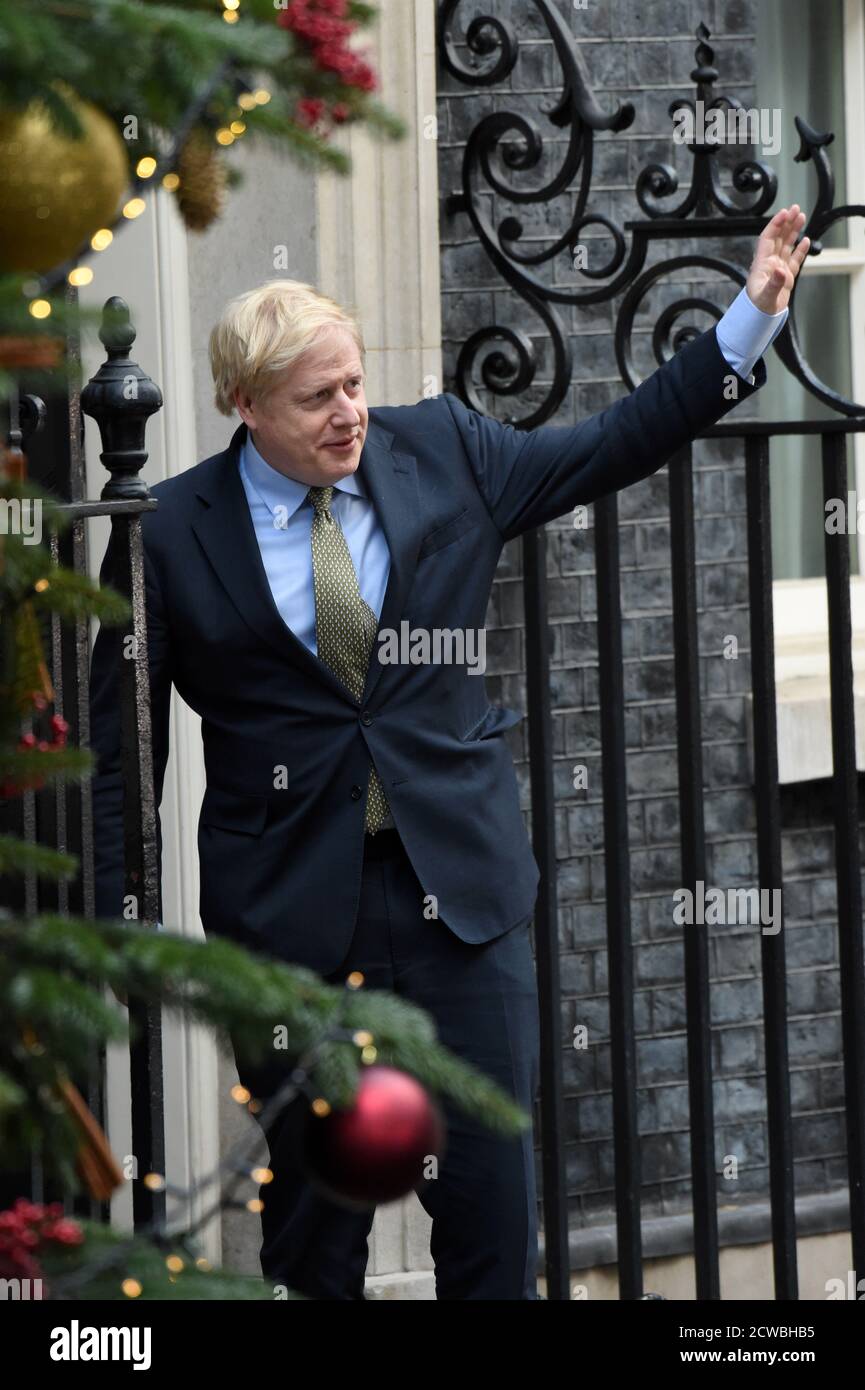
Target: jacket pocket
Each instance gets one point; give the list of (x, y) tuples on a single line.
[(448, 533), (494, 721), (246, 815)]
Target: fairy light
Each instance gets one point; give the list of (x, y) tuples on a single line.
[(81, 275), (368, 1055), (171, 182), (40, 586), (234, 1163), (354, 980), (237, 127), (134, 208), (146, 167), (224, 136), (102, 239), (246, 101), (40, 308), (262, 96), (362, 1038)]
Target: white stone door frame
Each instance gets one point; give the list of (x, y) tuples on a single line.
[(147, 266)]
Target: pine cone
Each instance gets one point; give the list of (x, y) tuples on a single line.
[(202, 181)]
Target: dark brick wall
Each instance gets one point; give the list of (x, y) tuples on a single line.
[(643, 51)]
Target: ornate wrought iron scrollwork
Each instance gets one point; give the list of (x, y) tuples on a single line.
[(813, 146), (484, 35), (492, 141), (705, 197), (512, 141)]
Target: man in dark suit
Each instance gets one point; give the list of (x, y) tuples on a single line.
[(317, 593)]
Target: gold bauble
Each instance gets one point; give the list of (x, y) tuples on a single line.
[(55, 192)]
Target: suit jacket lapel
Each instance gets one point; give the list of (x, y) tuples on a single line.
[(391, 480), (226, 533)]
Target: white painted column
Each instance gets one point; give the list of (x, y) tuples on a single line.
[(147, 266)]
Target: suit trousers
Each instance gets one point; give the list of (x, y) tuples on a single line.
[(483, 999)]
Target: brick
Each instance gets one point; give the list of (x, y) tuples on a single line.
[(740, 1049)]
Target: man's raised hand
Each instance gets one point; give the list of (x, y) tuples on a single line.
[(777, 260)]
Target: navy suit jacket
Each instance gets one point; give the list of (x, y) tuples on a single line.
[(280, 865)]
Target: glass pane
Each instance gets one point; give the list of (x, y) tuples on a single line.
[(800, 72), (823, 321)]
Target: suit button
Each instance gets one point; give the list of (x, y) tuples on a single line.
[(356, 793), (366, 717)]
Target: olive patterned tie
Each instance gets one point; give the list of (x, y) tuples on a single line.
[(345, 625)]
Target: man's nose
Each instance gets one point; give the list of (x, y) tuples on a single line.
[(345, 409)]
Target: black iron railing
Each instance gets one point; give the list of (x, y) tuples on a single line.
[(506, 361), (121, 397)]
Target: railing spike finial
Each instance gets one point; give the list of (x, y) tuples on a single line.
[(704, 52), (116, 331), (121, 398)]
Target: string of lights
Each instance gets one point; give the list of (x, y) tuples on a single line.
[(150, 170), (235, 1166)]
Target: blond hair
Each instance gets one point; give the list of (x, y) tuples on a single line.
[(262, 331)]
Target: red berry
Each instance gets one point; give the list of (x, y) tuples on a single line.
[(27, 1210), (68, 1232)]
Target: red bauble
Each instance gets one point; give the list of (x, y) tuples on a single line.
[(377, 1150)]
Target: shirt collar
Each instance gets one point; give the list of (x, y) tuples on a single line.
[(278, 490)]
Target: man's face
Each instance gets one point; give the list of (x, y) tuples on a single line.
[(318, 401)]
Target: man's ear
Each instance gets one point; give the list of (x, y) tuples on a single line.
[(244, 406)]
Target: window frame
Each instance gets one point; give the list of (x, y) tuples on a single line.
[(799, 605)]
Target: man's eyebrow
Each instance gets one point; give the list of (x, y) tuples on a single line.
[(319, 385)]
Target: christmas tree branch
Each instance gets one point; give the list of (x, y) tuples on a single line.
[(265, 1008), (17, 857)]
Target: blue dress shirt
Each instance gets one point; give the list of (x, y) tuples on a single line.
[(283, 524), (745, 333), (283, 528)]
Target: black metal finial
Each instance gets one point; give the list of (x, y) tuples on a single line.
[(121, 398), (705, 72), (116, 332)]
